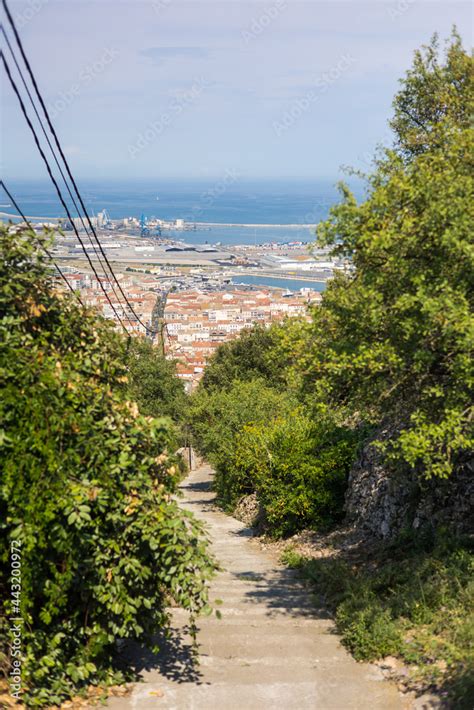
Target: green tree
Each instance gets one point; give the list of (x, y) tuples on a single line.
[(246, 357), (86, 489), (392, 341), (152, 381), (433, 92)]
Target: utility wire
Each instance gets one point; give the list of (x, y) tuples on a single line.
[(56, 159), (51, 128), (15, 205), (45, 134), (53, 180)]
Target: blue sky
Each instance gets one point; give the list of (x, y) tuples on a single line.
[(166, 88)]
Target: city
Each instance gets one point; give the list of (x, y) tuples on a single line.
[(190, 299)]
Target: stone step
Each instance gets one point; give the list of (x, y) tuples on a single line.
[(273, 648), (258, 696)]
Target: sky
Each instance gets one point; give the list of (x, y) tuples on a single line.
[(197, 90)]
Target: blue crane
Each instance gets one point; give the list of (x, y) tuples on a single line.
[(143, 226)]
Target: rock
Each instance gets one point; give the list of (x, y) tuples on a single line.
[(390, 662), (384, 502), (427, 702), (248, 510)]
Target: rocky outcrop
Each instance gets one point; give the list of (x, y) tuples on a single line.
[(249, 511), (384, 502)]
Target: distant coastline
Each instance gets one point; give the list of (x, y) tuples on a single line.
[(244, 213), (254, 226), (245, 202), (197, 224)]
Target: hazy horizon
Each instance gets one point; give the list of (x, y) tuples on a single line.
[(168, 90)]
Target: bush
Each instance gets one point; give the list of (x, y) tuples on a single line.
[(259, 440), (85, 489), (297, 469), (218, 417)]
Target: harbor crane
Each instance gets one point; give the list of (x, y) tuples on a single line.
[(144, 229)]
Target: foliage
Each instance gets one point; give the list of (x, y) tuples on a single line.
[(259, 440), (393, 339), (297, 469), (86, 487), (217, 418), (413, 600), (152, 381), (247, 357), (433, 92)]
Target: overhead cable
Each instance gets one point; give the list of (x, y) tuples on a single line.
[(58, 190), (66, 164), (48, 253)]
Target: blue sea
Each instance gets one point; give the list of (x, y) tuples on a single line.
[(290, 284), (265, 202)]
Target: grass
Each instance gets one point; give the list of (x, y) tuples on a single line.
[(413, 600)]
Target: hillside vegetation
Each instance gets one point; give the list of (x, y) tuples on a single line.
[(385, 359), (389, 347), (87, 478)]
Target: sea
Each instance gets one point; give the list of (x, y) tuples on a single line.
[(277, 210), (275, 282), (224, 211)]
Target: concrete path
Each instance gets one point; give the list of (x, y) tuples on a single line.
[(272, 649)]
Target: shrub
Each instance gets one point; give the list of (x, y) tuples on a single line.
[(85, 489), (259, 440), (297, 469), (218, 417)]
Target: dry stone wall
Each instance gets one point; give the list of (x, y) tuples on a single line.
[(384, 502)]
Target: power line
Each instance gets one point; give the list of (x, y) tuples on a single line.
[(55, 157), (15, 205), (53, 180), (53, 132), (48, 168), (44, 131)]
